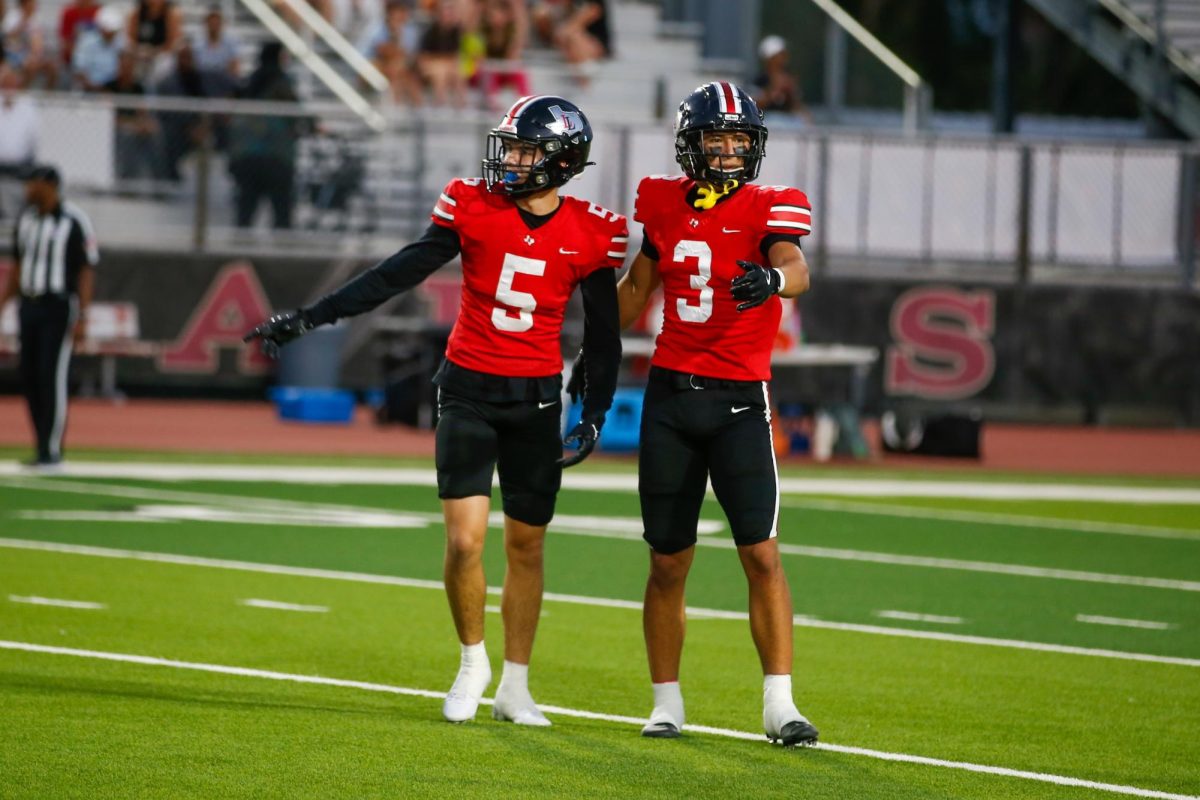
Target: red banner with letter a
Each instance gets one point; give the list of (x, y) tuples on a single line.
[(234, 303)]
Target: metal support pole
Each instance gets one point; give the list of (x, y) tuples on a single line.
[(1187, 219), (835, 69), (1004, 51), (1024, 215), (203, 160), (821, 255)]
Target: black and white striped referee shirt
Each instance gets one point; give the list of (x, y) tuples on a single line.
[(52, 248)]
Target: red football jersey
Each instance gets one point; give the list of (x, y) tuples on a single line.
[(517, 280), (702, 332)]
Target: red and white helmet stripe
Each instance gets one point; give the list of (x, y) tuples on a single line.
[(509, 123), (728, 96)]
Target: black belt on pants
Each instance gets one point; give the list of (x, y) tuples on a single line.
[(680, 381)]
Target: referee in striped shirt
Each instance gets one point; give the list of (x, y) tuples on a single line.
[(54, 257)]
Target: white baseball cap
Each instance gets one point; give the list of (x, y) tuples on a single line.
[(771, 46), (110, 19)]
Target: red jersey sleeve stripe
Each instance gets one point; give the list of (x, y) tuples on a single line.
[(445, 198), (438, 211), (791, 209)]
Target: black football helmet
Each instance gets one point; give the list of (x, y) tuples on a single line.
[(718, 106), (555, 125)]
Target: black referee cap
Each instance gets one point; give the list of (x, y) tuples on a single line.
[(42, 172)]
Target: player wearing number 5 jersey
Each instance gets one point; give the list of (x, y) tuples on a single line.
[(706, 413), (524, 250)]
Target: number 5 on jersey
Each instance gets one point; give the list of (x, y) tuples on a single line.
[(523, 302)]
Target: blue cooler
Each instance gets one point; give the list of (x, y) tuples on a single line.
[(622, 426), (305, 404)]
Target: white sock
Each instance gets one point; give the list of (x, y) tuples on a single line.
[(777, 688), (514, 678), (474, 654), (669, 698)]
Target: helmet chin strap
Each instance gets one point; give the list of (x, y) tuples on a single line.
[(708, 194)]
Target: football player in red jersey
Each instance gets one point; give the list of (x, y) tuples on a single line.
[(722, 249), (524, 250)]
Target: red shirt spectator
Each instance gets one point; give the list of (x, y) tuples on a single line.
[(81, 13)]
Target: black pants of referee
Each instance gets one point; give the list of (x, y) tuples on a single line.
[(47, 323)]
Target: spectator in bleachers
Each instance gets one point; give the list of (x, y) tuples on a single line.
[(578, 29), (504, 27), (156, 30), (97, 51), (391, 45), (351, 17), (137, 129), (775, 88), (184, 131), (262, 149), (25, 45), (18, 138), (76, 17), (216, 50), (437, 55)]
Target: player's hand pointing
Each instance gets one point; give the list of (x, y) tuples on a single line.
[(278, 331)]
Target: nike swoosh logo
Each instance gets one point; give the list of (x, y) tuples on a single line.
[(729, 230), (737, 410), (568, 252), (547, 405)]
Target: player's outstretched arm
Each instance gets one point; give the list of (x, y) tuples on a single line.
[(395, 274), (636, 286)]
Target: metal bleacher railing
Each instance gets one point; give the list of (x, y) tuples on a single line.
[(999, 208)]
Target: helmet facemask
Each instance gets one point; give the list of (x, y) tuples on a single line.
[(521, 179), (691, 155)]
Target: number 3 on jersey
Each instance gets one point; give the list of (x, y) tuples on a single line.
[(703, 255), (523, 302)]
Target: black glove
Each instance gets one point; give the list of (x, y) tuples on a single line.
[(279, 330), (756, 286), (584, 436), (575, 383)]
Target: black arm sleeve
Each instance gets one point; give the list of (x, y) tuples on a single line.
[(764, 246), (395, 274), (601, 343), (649, 249)]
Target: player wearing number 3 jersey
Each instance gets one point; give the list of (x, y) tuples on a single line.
[(724, 250), (524, 250)]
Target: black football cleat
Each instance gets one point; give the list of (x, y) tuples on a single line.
[(797, 733), (661, 730)]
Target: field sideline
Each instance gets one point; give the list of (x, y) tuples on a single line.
[(201, 630)]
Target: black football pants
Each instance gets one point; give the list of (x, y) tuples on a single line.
[(47, 323)]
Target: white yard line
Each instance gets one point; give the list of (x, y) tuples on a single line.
[(254, 602), (1092, 619), (623, 482), (909, 616), (246, 672), (50, 601), (390, 580), (627, 529), (989, 518)]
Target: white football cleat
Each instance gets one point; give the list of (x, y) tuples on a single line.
[(462, 701), (512, 707)]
